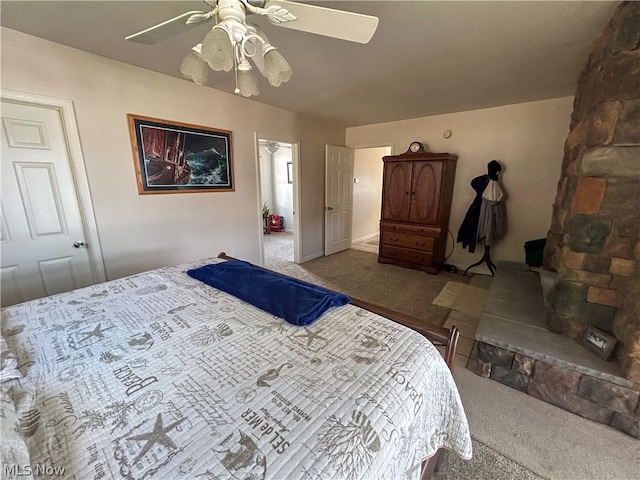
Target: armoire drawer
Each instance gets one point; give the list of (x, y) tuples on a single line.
[(409, 228), (416, 242), (406, 255)]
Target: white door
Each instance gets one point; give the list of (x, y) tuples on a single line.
[(44, 246), (338, 198)]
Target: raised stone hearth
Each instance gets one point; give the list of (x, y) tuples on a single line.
[(515, 348)]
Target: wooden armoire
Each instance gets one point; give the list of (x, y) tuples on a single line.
[(417, 187)]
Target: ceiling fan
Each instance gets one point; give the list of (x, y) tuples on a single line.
[(232, 41)]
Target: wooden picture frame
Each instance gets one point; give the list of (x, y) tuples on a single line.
[(599, 342), (174, 157)]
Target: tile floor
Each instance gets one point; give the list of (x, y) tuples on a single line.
[(370, 245), (466, 323)]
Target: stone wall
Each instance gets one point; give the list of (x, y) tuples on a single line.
[(590, 397), (594, 240)]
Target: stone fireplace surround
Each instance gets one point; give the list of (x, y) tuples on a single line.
[(530, 342), (594, 240)]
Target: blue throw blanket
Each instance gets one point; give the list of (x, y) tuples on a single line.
[(299, 303)]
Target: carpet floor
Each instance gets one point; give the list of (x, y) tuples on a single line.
[(359, 274), (486, 464), (553, 443)]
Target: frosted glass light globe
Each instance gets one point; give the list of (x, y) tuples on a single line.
[(217, 50), (195, 68), (277, 69)]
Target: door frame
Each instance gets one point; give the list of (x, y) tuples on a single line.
[(77, 166), (297, 204)]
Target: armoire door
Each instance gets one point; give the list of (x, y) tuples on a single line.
[(396, 192), (426, 179)]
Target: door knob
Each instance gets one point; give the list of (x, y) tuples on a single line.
[(328, 208), (79, 244)]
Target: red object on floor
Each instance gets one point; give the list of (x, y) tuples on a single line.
[(276, 223)]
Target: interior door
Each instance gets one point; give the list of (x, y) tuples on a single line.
[(44, 247), (338, 198)]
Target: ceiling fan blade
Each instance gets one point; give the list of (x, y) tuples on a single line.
[(167, 29), (354, 27)]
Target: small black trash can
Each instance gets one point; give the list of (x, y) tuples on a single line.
[(534, 250)]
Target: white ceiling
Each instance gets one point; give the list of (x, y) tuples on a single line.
[(426, 58)]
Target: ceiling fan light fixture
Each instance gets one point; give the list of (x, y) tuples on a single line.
[(277, 69), (194, 68), (217, 49), (272, 147), (232, 40), (246, 83)]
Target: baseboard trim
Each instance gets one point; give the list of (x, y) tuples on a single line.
[(365, 238), (313, 256)]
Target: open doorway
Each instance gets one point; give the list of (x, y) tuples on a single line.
[(276, 159)]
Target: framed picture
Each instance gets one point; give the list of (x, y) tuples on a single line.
[(599, 342), (173, 157), (290, 172)]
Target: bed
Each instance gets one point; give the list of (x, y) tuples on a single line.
[(159, 375)]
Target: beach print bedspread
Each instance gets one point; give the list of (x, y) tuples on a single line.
[(159, 376)]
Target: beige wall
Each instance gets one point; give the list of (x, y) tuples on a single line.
[(367, 193), (527, 139), (139, 232)]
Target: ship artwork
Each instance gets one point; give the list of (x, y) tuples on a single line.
[(164, 160), (173, 157)]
